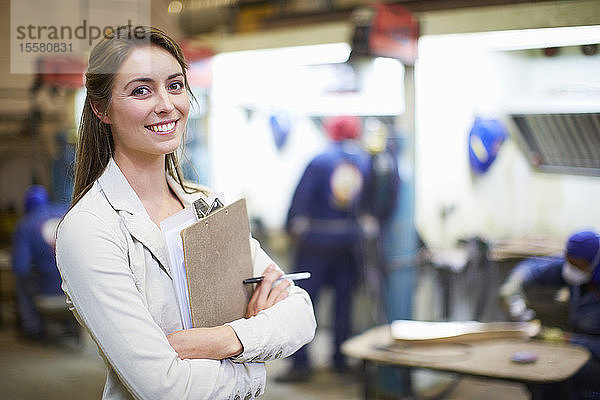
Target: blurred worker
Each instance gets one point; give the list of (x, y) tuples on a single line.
[(323, 218), (579, 269), (383, 182), (33, 260), (379, 202)]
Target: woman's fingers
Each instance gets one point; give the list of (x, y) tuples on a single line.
[(260, 294), (278, 293), (264, 288), (268, 292)]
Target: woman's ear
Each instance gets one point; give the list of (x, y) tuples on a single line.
[(103, 117)]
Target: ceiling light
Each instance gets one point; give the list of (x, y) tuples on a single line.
[(329, 53)]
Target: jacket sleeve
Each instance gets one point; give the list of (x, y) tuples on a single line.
[(539, 271), (93, 260), (280, 330)]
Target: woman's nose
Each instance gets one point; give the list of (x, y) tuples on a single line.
[(164, 103)]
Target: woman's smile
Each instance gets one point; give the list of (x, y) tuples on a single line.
[(163, 127)]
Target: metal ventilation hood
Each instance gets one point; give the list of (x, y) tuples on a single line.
[(561, 142)]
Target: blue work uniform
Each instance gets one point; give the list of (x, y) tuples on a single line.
[(34, 262), (383, 185), (584, 318), (328, 198)]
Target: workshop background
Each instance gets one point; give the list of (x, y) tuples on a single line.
[(427, 71)]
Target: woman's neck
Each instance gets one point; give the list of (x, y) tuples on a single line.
[(145, 175), (148, 179)]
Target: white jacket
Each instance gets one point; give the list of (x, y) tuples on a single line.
[(113, 262)]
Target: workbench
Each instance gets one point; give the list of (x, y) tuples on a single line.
[(483, 358)]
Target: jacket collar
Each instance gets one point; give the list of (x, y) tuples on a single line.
[(128, 205), (119, 192)]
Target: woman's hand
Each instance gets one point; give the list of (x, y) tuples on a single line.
[(221, 342), (265, 295), (215, 343)]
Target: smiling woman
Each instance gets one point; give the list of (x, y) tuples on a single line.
[(111, 252), (147, 116), (148, 96), (118, 63)]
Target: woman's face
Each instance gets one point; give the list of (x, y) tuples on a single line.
[(149, 106)]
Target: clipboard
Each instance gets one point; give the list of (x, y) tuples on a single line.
[(217, 259)]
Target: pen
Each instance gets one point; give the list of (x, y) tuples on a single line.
[(294, 277)]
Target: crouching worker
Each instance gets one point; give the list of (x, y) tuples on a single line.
[(579, 270)]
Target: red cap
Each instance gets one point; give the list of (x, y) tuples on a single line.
[(343, 127)]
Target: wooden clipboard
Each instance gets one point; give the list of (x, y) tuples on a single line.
[(218, 258)]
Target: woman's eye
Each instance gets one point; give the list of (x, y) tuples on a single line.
[(140, 91), (176, 86)]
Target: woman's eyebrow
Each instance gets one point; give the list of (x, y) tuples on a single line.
[(143, 79), (137, 80)]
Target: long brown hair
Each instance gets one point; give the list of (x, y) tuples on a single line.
[(95, 145)]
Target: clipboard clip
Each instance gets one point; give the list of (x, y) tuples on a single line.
[(202, 208)]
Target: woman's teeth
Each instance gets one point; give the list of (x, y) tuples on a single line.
[(162, 127)]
